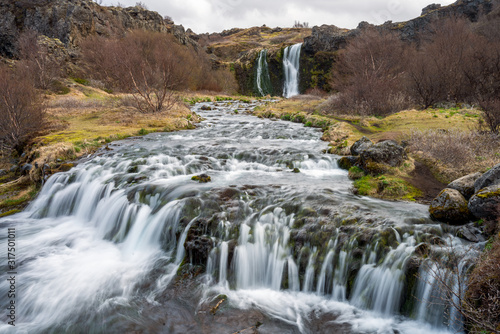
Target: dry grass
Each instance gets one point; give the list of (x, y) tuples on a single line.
[(456, 152)]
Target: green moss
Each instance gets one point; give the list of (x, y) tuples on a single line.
[(9, 213), (386, 187), (356, 173)]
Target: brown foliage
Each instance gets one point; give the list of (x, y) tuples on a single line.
[(369, 75), (35, 60), (152, 66), (21, 113), (483, 293)]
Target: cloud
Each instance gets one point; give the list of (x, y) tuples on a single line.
[(216, 15)]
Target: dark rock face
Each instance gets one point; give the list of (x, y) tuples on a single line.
[(361, 145), (491, 177), (327, 38), (430, 8), (71, 20), (486, 203), (450, 207), (465, 184), (347, 162), (387, 152)]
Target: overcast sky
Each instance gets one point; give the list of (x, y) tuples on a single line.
[(216, 15)]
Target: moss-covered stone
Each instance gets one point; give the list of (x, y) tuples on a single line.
[(450, 207)]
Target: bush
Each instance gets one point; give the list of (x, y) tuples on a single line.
[(369, 75), (22, 115)]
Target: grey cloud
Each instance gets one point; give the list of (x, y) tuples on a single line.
[(217, 15)]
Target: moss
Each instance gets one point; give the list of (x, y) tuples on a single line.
[(356, 173), (9, 213), (386, 187)]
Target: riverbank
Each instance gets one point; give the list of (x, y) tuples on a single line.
[(81, 121), (426, 134)]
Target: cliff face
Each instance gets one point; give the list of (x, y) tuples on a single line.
[(328, 38), (71, 20)]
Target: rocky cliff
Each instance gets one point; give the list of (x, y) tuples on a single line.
[(331, 38), (71, 20)]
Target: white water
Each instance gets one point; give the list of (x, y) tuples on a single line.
[(291, 63), (103, 242), (262, 78)]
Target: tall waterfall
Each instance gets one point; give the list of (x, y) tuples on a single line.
[(262, 77), (291, 65)]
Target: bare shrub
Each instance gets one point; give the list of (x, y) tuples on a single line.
[(22, 115), (36, 61), (369, 75), (464, 151), (145, 63), (491, 114), (299, 24)]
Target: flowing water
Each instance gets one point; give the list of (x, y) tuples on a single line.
[(291, 58), (263, 80), (128, 242)]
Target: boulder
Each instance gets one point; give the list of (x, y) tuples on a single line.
[(386, 152), (14, 168), (491, 177), (3, 172), (26, 168), (361, 145), (465, 184), (450, 207), (486, 203), (347, 162), (470, 233)]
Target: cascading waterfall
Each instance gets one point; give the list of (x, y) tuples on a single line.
[(291, 64), (262, 78), (102, 245)]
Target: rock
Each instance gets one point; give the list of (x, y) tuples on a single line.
[(296, 170), (491, 177), (470, 233), (204, 107), (327, 38), (450, 207), (14, 168), (347, 162), (486, 203), (423, 249), (26, 168), (202, 178), (70, 21), (465, 185), (66, 167), (430, 8), (3, 172), (386, 152), (361, 145)]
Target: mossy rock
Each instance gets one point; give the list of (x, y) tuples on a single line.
[(347, 162), (66, 167), (375, 168), (450, 207), (486, 203), (202, 178)]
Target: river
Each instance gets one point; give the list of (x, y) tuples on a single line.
[(127, 242)]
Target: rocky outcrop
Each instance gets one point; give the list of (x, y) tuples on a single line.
[(450, 207), (387, 152), (327, 38), (465, 185), (489, 178), (486, 203), (482, 192), (332, 38), (71, 20), (361, 145)]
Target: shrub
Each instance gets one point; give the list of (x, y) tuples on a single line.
[(369, 75), (22, 114)]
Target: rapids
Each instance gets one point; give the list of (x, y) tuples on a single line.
[(126, 241)]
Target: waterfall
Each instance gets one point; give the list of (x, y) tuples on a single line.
[(291, 58), (262, 77), (106, 246)]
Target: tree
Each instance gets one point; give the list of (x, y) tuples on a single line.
[(370, 74), (22, 115), (145, 63), (36, 60)]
